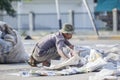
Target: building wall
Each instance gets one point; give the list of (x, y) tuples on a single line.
[(46, 16)]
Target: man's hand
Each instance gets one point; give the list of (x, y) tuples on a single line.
[(71, 46)]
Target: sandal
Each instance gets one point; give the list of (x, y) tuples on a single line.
[(32, 62)]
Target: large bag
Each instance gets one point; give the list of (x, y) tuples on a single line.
[(11, 46)]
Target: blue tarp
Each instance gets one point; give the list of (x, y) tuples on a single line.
[(107, 5)]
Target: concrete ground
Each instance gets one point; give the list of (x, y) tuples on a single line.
[(16, 68), (5, 69)]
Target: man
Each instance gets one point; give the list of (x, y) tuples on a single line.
[(52, 47), (11, 46)]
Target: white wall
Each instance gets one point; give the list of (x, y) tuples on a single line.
[(48, 6)]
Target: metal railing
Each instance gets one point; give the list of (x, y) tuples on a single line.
[(48, 21)]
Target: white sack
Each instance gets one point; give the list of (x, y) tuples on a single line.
[(11, 46), (94, 55), (104, 74), (68, 62), (92, 66)]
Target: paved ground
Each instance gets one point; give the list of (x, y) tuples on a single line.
[(16, 68), (29, 44)]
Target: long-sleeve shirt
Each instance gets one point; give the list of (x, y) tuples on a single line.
[(56, 40)]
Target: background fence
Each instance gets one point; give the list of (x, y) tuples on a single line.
[(48, 21)]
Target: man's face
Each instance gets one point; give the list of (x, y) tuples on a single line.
[(68, 35)]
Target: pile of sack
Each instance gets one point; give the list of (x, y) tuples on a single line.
[(11, 46), (90, 59)]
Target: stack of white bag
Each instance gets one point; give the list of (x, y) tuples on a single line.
[(73, 60), (104, 74), (95, 61), (11, 46), (91, 60), (111, 70), (65, 63)]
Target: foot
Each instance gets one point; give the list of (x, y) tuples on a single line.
[(46, 63), (32, 62)]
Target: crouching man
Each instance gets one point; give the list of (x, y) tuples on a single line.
[(52, 46), (11, 46)]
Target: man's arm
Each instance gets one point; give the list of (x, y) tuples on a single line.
[(60, 45), (69, 44), (62, 54)]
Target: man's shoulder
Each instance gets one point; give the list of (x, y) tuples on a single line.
[(59, 36)]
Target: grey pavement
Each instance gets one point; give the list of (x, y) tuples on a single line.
[(78, 34), (5, 69)]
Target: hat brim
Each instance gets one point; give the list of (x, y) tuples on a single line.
[(70, 32)]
